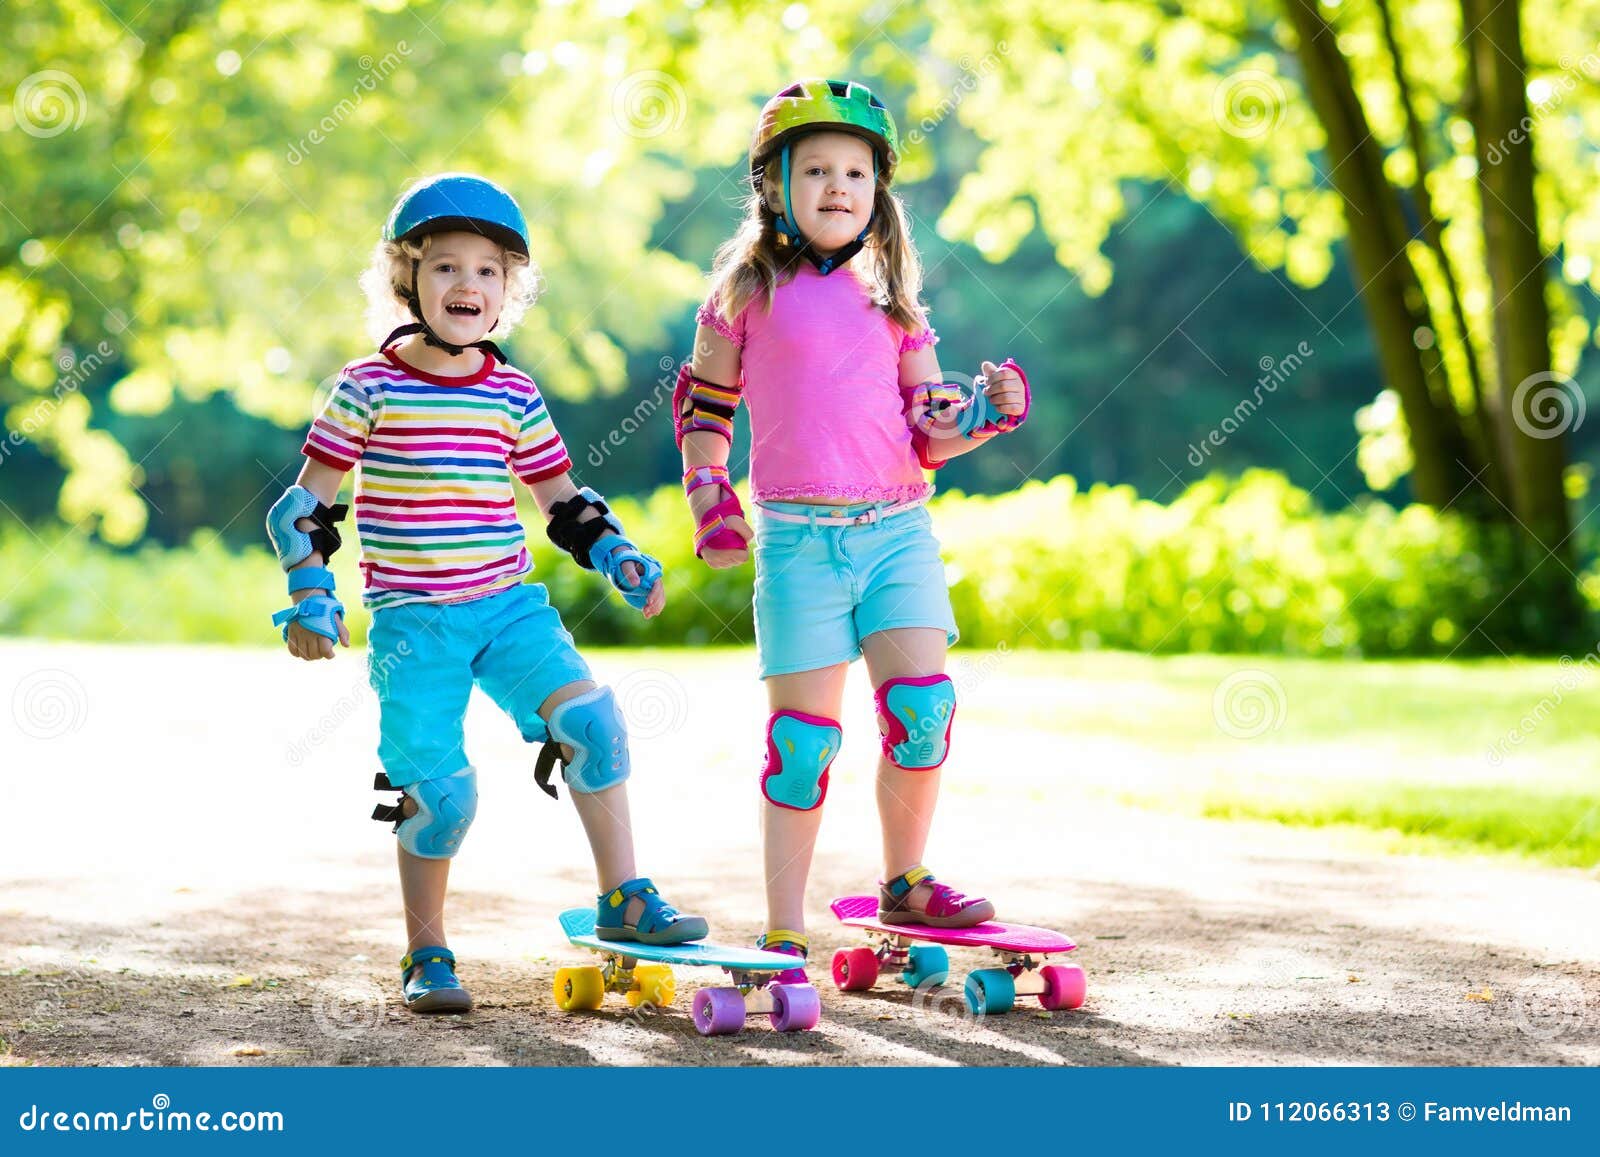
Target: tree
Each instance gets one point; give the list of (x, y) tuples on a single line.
[(1451, 194)]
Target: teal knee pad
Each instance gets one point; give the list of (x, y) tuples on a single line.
[(592, 726), (917, 711), (800, 748), (446, 808)]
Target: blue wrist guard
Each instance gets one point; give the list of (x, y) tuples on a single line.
[(607, 556), (319, 614)]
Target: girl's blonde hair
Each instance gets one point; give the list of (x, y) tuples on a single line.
[(752, 263), (387, 281)]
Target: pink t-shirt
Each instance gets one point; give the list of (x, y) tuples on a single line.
[(822, 382)]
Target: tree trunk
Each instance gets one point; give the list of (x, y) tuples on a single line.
[(1538, 412), (1487, 441), (1396, 305)]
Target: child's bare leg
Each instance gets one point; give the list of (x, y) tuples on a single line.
[(610, 830), (906, 798), (422, 888), (604, 814), (789, 837)]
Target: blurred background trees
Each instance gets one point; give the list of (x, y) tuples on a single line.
[(1353, 243)]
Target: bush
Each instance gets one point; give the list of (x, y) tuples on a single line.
[(1242, 565)]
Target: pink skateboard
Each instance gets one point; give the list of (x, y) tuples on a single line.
[(918, 952)]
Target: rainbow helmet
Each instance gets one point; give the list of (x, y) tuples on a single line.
[(838, 105)]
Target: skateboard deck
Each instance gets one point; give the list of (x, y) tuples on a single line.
[(917, 951), (578, 924), (862, 912), (717, 1011)]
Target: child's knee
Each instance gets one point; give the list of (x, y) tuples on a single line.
[(915, 713), (593, 738), (433, 815)]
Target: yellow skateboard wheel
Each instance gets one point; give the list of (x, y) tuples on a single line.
[(579, 989), (652, 985)]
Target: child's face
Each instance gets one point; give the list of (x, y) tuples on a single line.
[(461, 284), (831, 186)]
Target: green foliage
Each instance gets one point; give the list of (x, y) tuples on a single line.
[(1230, 566)]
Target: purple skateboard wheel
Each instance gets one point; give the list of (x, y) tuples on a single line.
[(718, 1011), (795, 1007)]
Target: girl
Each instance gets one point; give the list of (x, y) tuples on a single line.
[(813, 321), (436, 424)]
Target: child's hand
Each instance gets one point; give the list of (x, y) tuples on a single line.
[(1005, 389), (722, 559), (658, 593), (309, 645)]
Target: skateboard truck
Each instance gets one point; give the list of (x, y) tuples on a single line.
[(643, 973)]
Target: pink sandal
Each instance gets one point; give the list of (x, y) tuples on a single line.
[(790, 944), (946, 908)]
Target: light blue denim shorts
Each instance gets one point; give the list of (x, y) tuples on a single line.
[(821, 589), (424, 658)]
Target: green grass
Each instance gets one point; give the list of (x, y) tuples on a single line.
[(1555, 827), (1404, 748)]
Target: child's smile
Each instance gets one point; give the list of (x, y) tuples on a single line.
[(462, 284)]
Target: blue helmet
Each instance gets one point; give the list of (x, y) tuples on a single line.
[(458, 201)]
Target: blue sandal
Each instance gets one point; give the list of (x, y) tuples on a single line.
[(659, 922), (434, 988)]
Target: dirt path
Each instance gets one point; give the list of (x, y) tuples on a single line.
[(187, 877)]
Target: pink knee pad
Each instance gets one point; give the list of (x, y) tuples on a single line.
[(917, 711), (799, 749)]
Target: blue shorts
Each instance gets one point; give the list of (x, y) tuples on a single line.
[(821, 589), (423, 659)]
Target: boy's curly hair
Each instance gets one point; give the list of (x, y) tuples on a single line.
[(387, 280)]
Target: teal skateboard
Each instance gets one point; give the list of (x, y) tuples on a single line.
[(643, 973)]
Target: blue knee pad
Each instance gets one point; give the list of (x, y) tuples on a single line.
[(800, 748), (445, 810), (917, 711), (592, 726)]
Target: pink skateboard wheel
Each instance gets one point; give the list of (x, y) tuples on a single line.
[(1065, 986), (855, 969), (718, 1011), (795, 1007)]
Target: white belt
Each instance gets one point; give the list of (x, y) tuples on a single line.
[(865, 518)]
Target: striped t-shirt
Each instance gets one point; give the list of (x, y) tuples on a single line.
[(434, 507)]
